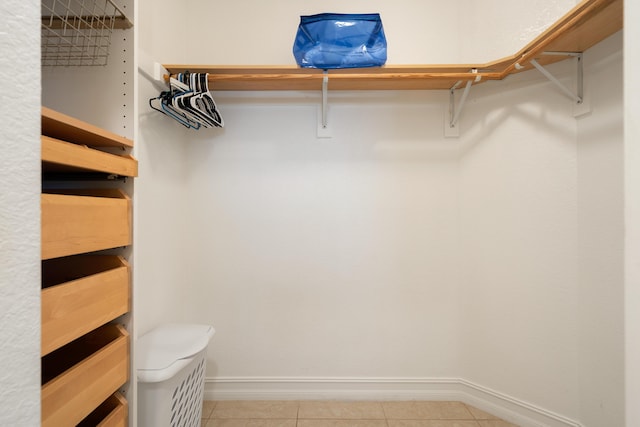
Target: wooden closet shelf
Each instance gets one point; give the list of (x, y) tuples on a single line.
[(80, 294), (291, 77), (82, 221), (77, 378), (60, 126), (588, 23), (112, 413), (62, 156)]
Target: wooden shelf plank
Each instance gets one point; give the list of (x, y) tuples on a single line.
[(294, 78), (60, 126), (82, 221), (81, 294), (61, 156), (588, 23), (112, 413), (77, 378)]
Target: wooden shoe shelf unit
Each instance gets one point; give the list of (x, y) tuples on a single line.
[(590, 22), (85, 351)]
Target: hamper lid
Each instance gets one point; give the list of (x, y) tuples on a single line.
[(163, 351)]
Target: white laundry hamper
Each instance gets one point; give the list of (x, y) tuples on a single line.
[(170, 366)]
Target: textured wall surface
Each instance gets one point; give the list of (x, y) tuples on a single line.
[(389, 250), (518, 243), (20, 214), (601, 239), (494, 29), (632, 212), (254, 32), (160, 189)]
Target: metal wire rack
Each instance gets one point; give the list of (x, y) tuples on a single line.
[(78, 32)]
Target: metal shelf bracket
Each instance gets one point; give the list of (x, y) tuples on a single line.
[(325, 95), (324, 130), (577, 98), (454, 113)]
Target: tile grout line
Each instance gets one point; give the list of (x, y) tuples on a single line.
[(385, 418)]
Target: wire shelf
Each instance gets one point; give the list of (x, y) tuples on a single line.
[(78, 32)]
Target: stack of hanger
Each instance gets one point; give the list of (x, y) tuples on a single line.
[(189, 102)]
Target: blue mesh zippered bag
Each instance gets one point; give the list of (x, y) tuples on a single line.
[(338, 40)]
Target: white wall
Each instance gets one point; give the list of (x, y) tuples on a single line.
[(601, 239), (161, 212), (494, 29), (389, 251), (542, 234), (161, 206), (632, 213), (326, 258), (254, 32), (518, 243), (20, 214), (315, 258)]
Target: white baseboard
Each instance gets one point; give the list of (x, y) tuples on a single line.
[(443, 389)]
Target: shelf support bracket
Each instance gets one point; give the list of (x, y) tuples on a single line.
[(579, 97), (325, 96), (323, 130), (454, 113)]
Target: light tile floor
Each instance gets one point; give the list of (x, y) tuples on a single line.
[(345, 414)]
